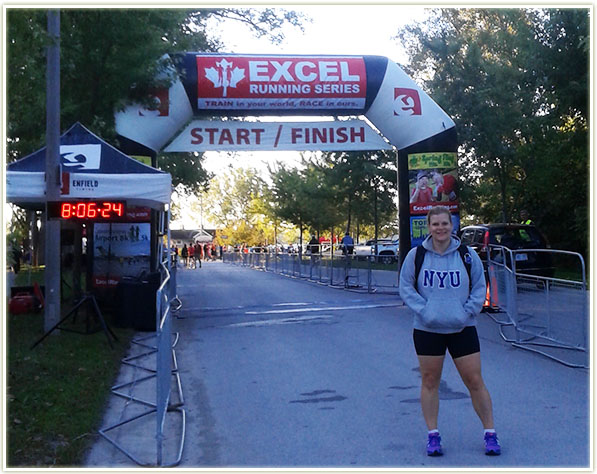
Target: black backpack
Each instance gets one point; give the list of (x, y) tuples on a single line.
[(464, 254)]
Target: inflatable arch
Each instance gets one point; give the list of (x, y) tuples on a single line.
[(212, 86)]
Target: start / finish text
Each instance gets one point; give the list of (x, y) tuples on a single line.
[(203, 135)]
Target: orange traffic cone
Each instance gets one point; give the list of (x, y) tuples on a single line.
[(491, 298)]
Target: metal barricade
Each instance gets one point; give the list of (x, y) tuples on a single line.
[(166, 367), (384, 276), (337, 270), (543, 311)]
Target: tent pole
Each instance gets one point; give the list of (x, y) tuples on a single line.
[(52, 238)]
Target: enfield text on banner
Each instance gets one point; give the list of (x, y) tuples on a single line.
[(205, 135)]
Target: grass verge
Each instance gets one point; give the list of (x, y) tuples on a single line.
[(56, 392)]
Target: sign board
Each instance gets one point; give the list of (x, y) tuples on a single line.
[(119, 250), (204, 135), (280, 83), (433, 181)]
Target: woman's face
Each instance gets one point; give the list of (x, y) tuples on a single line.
[(440, 227)]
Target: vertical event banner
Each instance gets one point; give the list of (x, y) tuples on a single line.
[(120, 250), (433, 181)]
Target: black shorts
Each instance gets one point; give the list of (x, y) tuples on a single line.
[(459, 344)]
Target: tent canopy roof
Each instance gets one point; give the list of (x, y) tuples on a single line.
[(86, 158), (112, 159)]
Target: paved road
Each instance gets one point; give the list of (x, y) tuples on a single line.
[(279, 372)]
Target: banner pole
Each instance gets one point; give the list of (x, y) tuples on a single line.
[(403, 205)]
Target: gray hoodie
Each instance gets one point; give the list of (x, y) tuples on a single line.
[(442, 303)]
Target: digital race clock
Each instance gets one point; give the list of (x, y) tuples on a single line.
[(88, 210)]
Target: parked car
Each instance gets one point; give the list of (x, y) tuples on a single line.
[(514, 237), (363, 250), (387, 250)]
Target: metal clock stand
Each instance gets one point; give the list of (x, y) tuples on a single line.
[(88, 298)]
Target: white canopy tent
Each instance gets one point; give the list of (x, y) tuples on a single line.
[(91, 169)]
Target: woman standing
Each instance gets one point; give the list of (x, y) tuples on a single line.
[(446, 302)]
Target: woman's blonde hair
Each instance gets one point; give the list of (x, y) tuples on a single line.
[(437, 210)]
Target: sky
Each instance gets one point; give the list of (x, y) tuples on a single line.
[(334, 29)]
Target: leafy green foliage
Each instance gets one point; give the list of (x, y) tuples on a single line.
[(108, 59), (335, 189), (365, 184), (292, 197), (235, 202), (181, 166), (516, 83)]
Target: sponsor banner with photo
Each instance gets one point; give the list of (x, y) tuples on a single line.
[(204, 135), (120, 250), (280, 82), (433, 181)]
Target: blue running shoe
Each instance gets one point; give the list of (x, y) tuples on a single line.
[(492, 445), (434, 445)]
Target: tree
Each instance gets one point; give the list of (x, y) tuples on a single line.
[(498, 73), (235, 203), (188, 175), (291, 197), (334, 189), (109, 58), (365, 183)]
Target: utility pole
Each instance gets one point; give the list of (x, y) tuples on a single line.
[(52, 247)]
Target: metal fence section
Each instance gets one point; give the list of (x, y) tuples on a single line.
[(544, 314), (156, 362), (361, 274)]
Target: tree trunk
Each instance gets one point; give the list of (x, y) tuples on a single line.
[(349, 213), (503, 187), (375, 210)]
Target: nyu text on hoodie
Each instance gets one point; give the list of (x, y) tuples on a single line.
[(442, 302)]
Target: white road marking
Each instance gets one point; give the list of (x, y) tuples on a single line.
[(290, 304), (271, 322), (329, 308)]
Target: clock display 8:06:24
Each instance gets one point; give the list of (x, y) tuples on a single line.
[(91, 210)]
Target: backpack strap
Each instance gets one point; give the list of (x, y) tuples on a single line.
[(419, 257), (465, 255)]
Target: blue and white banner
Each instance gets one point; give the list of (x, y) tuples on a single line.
[(230, 85)]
